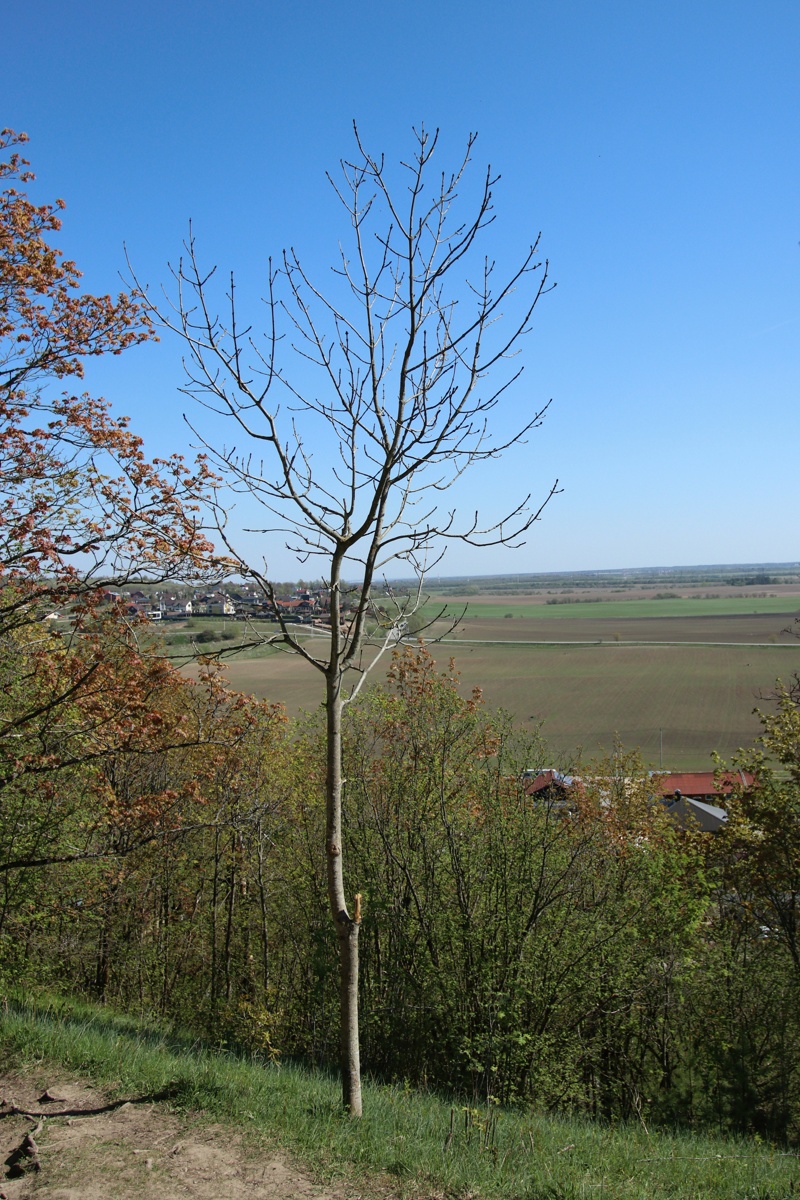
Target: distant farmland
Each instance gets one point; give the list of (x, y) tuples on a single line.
[(581, 609), (693, 667), (770, 628), (701, 696)]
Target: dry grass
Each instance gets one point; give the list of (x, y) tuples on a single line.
[(702, 696)]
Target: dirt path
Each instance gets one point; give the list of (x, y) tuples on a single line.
[(88, 1148)]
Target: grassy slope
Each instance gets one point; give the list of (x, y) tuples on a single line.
[(492, 1153)]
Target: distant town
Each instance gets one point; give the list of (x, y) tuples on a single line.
[(294, 603)]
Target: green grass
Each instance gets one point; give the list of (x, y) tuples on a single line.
[(232, 640), (728, 605), (426, 1144)]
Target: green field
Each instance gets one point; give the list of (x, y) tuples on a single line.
[(788, 606), (744, 629)]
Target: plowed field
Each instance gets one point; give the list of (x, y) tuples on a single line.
[(609, 677)]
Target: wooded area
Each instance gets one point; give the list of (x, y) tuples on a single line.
[(599, 960)]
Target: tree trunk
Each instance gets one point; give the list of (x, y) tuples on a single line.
[(347, 927), (348, 1017), (262, 894)]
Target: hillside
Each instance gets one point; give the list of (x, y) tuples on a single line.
[(143, 1116)]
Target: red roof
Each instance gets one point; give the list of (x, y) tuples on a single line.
[(698, 785), (543, 780), (702, 783)]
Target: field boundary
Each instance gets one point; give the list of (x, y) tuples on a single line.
[(600, 642)]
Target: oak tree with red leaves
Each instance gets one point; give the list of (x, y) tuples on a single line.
[(81, 510)]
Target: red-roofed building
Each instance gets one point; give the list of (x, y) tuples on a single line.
[(693, 797), (701, 785)]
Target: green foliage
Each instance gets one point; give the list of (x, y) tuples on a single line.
[(429, 1145), (754, 970), (214, 635), (579, 954), (510, 946), (246, 1027)]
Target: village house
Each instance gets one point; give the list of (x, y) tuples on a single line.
[(175, 606), (214, 604), (694, 796), (690, 797)]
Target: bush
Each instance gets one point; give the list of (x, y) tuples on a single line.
[(207, 635)]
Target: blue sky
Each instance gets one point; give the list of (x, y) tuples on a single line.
[(655, 145)]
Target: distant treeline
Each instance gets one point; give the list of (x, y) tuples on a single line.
[(655, 596), (760, 575)]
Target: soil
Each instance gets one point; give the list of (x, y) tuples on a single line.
[(89, 1147)]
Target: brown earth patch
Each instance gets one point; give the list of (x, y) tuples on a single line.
[(87, 1147)]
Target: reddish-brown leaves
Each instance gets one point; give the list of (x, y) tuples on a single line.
[(80, 505)]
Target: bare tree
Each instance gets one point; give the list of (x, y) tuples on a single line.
[(414, 359)]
